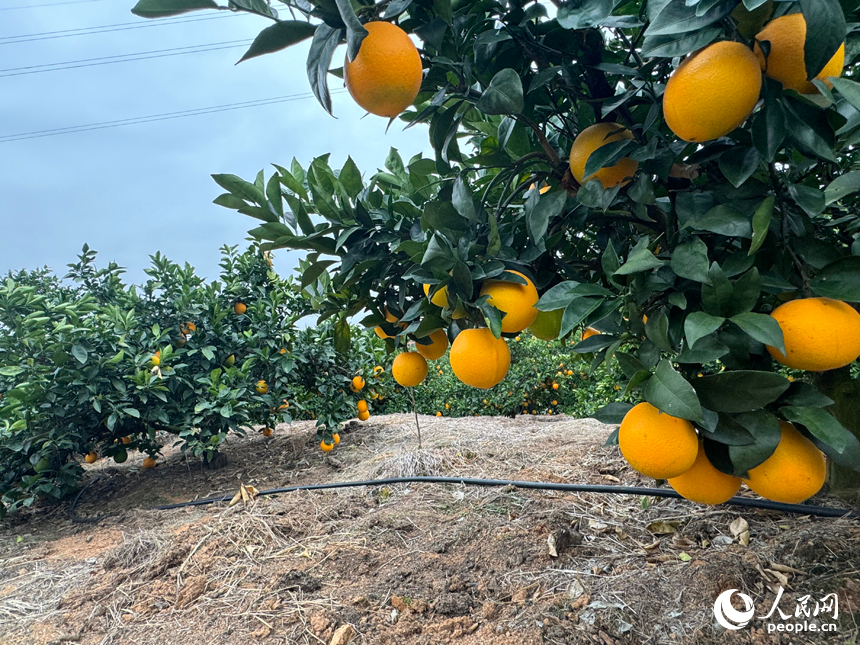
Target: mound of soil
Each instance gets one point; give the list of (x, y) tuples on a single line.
[(418, 563)]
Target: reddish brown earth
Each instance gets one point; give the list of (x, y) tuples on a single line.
[(418, 563)]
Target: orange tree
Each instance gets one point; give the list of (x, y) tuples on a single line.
[(93, 365), (668, 172)]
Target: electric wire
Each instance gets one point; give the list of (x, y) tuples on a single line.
[(122, 58), (105, 29), (156, 117), (50, 4), (802, 509)]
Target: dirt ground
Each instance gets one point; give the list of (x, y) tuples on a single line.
[(418, 563)]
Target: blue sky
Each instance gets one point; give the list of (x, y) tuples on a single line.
[(130, 191)]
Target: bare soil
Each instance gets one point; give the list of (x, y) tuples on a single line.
[(418, 563)]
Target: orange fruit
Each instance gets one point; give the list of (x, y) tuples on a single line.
[(240, 308), (793, 473), (155, 360), (555, 386), (149, 462), (555, 402), (440, 298), (436, 348), (786, 61), (336, 438), (91, 457), (409, 369), (326, 447), (712, 92), (358, 382), (705, 484), (363, 416), (386, 75), (438, 414), (820, 334), (656, 444), (267, 432), (262, 387), (588, 332), (517, 301), (592, 138), (547, 324), (362, 406), (379, 332), (479, 359), (126, 440)]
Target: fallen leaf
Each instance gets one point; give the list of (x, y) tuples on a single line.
[(661, 527)]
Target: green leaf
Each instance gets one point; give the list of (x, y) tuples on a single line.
[(583, 15), (825, 33), (804, 395), (676, 17), (325, 41), (350, 178), (241, 188), (740, 390), (730, 432), (547, 207), (462, 199), (764, 428), (355, 31), (762, 328), (640, 259), (842, 186), (848, 89), (80, 353), (723, 220), (820, 423), (438, 255), (746, 292), (628, 363), (577, 311), (162, 8), (492, 316), (848, 458), (761, 223), (671, 393), (558, 297), (279, 36), (707, 349), (11, 371), (504, 94), (839, 280), (314, 271), (690, 260), (612, 413), (608, 154), (657, 331), (809, 136), (717, 296), (768, 128), (341, 335), (679, 44), (739, 163)]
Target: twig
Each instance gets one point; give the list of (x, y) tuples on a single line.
[(415, 411), (86, 520)]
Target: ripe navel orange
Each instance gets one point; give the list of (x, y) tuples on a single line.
[(592, 138), (440, 298), (820, 334), (786, 60), (385, 76), (793, 473), (705, 484), (148, 463), (656, 444), (362, 406), (517, 301), (588, 332), (92, 457), (240, 308), (712, 92), (409, 369), (363, 416), (358, 382), (479, 359), (436, 348)]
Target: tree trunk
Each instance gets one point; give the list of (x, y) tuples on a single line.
[(845, 392)]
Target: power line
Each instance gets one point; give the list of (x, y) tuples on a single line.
[(52, 4), (103, 29), (121, 58), (156, 117)]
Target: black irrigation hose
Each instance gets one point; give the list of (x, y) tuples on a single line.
[(802, 509)]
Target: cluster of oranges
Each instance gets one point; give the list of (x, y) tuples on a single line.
[(725, 74), (819, 334)]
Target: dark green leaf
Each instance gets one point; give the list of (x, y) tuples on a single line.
[(762, 328), (314, 271), (740, 390), (746, 292), (761, 223), (804, 395), (839, 280), (640, 259), (326, 40), (350, 178), (80, 353), (582, 14), (690, 260), (241, 188), (672, 393), (679, 44), (341, 335), (657, 331), (768, 128), (730, 432), (608, 154), (355, 31), (548, 206), (462, 200), (723, 220), (707, 349), (162, 8), (842, 186), (825, 33), (576, 312), (739, 163), (612, 413), (848, 89), (558, 297), (820, 423), (504, 95), (717, 296), (676, 18), (764, 427), (279, 36)]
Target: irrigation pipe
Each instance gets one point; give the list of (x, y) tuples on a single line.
[(802, 509)]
